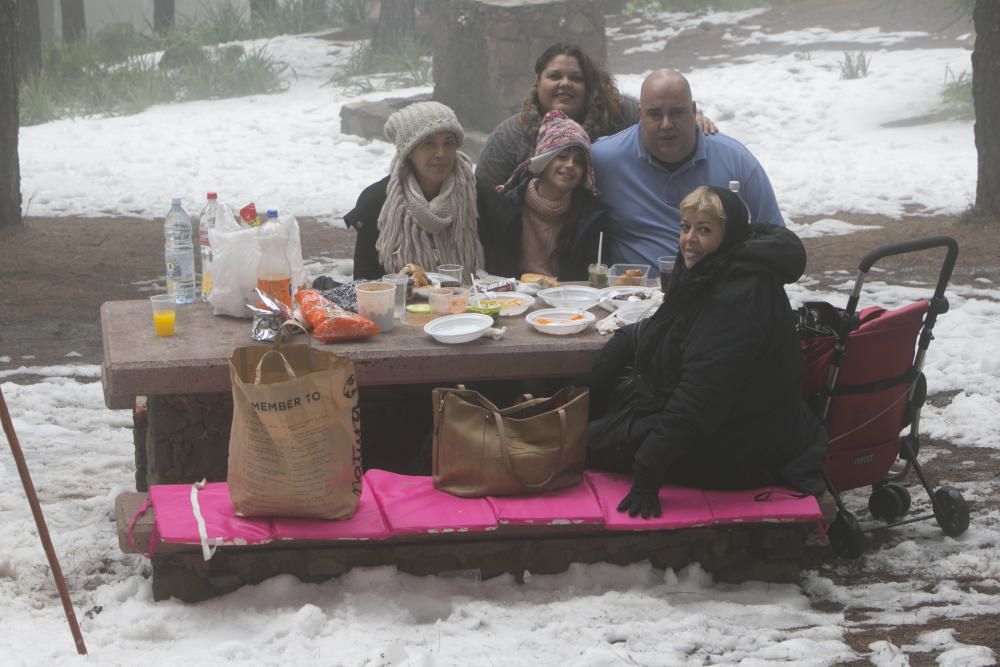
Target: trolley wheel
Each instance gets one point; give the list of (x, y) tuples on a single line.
[(889, 502), (951, 511), (846, 538)]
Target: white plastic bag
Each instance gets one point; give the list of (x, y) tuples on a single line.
[(236, 255)]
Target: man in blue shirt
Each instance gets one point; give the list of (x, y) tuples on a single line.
[(644, 171)]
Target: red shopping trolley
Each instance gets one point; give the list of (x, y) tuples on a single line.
[(863, 376)]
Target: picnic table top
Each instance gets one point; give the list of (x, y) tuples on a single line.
[(195, 359)]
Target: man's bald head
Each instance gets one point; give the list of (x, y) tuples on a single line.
[(667, 120)]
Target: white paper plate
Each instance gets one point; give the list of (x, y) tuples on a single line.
[(560, 321), (611, 304), (578, 297), (459, 328)]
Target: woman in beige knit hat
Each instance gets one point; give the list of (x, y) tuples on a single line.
[(424, 211)]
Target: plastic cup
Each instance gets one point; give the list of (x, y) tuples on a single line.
[(666, 266), (401, 283), (376, 301), (164, 314), (598, 274), (448, 300), (451, 275)]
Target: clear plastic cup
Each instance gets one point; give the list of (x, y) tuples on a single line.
[(376, 301), (164, 314), (448, 300), (451, 275), (401, 283), (666, 266)]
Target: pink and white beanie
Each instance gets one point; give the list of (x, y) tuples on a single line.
[(557, 133)]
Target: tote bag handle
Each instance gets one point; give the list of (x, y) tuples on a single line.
[(501, 434)]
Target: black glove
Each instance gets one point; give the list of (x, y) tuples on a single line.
[(643, 497)]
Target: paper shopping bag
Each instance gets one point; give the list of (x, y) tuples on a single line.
[(295, 443)]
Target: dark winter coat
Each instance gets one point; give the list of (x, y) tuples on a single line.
[(500, 227), (722, 369)]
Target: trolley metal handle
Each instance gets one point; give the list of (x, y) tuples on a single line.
[(906, 247)]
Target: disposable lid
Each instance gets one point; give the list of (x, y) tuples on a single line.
[(212, 195), (272, 213), (176, 201)]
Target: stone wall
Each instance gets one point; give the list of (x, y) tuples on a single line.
[(485, 50)]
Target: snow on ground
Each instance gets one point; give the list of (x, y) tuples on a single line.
[(824, 141), (826, 146)]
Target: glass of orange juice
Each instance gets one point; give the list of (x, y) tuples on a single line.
[(164, 314)]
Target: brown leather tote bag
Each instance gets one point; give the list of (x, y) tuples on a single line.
[(534, 446)]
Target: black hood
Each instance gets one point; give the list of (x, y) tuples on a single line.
[(771, 249)]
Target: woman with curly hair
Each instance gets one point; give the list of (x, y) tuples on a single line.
[(567, 80)]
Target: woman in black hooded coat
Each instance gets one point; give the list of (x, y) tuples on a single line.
[(707, 391)]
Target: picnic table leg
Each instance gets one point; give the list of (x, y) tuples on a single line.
[(43, 531)]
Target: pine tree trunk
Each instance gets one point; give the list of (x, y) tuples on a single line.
[(29, 39), (10, 174), (74, 22), (986, 101), (163, 15), (396, 25)]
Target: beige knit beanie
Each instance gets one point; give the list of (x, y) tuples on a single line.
[(410, 125)]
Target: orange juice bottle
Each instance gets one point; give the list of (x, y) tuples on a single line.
[(274, 273)]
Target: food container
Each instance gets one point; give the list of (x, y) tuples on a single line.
[(631, 275), (462, 328), (425, 291), (560, 321), (570, 296)]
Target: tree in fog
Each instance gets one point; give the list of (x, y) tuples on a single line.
[(10, 174), (74, 21), (986, 101), (29, 39), (396, 25)]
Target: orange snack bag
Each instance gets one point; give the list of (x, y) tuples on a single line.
[(331, 324)]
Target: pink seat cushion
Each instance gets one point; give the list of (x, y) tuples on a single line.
[(682, 507), (770, 503), (573, 505), (366, 524), (176, 524), (411, 505)]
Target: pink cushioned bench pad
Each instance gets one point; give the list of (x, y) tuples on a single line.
[(688, 508), (394, 504), (411, 505)]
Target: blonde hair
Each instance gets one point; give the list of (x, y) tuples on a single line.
[(702, 201)]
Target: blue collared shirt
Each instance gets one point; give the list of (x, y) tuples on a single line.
[(643, 195)]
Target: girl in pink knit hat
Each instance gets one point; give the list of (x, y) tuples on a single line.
[(546, 218)]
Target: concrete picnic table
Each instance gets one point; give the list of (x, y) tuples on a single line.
[(184, 379)]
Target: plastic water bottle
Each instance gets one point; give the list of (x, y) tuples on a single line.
[(179, 253), (734, 187), (206, 221), (274, 273)]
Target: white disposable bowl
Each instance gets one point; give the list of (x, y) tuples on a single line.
[(633, 312), (579, 297), (459, 328), (556, 321), (525, 301)]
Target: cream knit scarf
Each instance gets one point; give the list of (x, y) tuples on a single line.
[(429, 233)]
